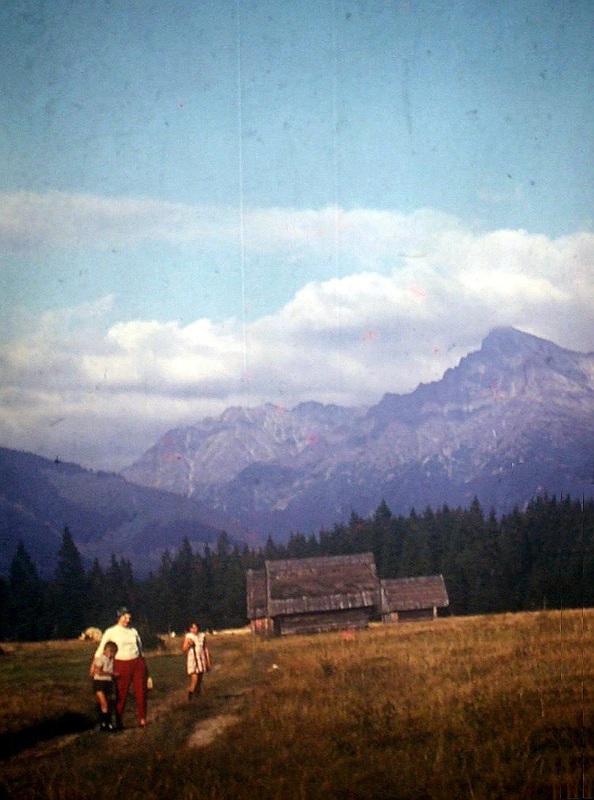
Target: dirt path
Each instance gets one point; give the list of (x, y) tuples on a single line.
[(204, 733), (207, 730)]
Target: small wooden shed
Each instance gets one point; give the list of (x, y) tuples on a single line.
[(406, 599), (308, 595)]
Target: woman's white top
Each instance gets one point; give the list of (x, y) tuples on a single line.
[(127, 640)]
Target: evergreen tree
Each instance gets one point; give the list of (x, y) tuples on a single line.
[(3, 608), (115, 588), (99, 615), (162, 596), (232, 610), (25, 618), (492, 600), (129, 588), (69, 591), (455, 570), (183, 590), (338, 541), (556, 541), (271, 550), (252, 559), (475, 560), (392, 544), (426, 536), (148, 601), (587, 535), (208, 578), (217, 575), (359, 538), (298, 546), (223, 545), (415, 557), (119, 589), (381, 528), (435, 541), (515, 560)]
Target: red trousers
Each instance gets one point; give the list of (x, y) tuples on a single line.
[(131, 672)]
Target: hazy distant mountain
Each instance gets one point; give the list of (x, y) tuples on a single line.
[(511, 421), (104, 513)]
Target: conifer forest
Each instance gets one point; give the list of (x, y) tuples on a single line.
[(539, 557)]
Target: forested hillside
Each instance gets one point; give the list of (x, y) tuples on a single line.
[(542, 557), (38, 497)]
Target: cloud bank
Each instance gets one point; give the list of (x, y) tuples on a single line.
[(411, 295)]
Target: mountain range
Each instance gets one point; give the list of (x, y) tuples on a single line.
[(512, 421)]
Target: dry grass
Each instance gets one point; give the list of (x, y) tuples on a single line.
[(478, 707)]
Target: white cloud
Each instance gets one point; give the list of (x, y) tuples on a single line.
[(33, 222), (420, 292)]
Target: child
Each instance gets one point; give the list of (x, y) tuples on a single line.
[(103, 684), (197, 658)]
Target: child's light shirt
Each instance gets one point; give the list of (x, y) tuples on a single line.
[(103, 665)]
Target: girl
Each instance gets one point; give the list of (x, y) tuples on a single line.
[(197, 658)]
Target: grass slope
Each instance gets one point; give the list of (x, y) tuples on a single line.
[(476, 707)]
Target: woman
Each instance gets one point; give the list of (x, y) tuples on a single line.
[(129, 666), (197, 658)]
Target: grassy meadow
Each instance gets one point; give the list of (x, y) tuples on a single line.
[(476, 707)]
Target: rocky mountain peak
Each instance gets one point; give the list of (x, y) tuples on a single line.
[(518, 400), (508, 341), (510, 350)]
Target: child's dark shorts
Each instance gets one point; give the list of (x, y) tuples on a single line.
[(103, 686)]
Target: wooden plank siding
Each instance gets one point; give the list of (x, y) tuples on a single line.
[(256, 593), (257, 611), (341, 620)]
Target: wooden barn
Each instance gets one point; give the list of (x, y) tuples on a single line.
[(406, 599), (308, 595)]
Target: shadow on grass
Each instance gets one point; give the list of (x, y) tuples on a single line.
[(12, 743)]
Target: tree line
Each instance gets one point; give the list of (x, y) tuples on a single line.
[(541, 557)]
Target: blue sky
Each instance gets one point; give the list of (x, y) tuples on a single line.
[(206, 204)]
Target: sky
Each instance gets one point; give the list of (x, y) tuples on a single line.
[(207, 204)]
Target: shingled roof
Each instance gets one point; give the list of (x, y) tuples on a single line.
[(412, 594), (308, 585)]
